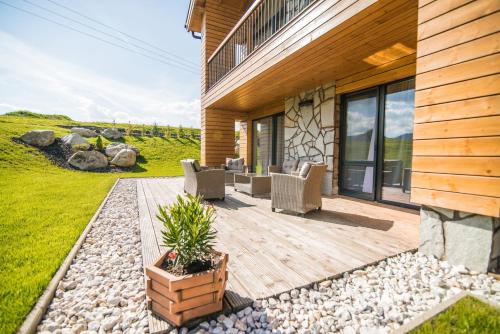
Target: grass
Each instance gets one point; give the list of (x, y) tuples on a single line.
[(44, 208), (469, 315)]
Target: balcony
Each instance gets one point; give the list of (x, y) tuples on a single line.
[(327, 40), (261, 22)]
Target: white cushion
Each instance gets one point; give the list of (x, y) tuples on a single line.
[(235, 164), (306, 167)]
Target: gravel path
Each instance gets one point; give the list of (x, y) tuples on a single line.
[(377, 299), (103, 290)]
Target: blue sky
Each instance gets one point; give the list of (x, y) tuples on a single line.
[(49, 69)]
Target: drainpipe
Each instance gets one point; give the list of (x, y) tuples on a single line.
[(195, 36)]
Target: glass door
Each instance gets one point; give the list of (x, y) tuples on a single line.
[(359, 144), (399, 104), (377, 141), (268, 143)]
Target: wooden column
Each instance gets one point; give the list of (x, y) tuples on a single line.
[(246, 141), (456, 147), (217, 136)]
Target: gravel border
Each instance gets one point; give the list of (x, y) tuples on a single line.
[(36, 314)]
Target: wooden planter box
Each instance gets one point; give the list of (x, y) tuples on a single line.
[(178, 299)]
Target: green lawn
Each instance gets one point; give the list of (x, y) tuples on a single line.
[(44, 208), (469, 315)]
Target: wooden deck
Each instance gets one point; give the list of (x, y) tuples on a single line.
[(270, 253)]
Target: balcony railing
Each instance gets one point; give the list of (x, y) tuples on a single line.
[(260, 23)]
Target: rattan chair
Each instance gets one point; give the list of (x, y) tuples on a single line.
[(208, 183), (296, 193)]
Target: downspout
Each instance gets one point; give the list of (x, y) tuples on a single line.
[(195, 36)]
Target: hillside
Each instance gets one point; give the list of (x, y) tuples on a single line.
[(44, 208)]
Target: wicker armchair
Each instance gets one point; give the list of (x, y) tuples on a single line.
[(208, 183), (233, 166), (296, 193)]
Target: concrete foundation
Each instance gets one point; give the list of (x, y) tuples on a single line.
[(461, 238)]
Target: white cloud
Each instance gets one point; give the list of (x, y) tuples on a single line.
[(30, 79)]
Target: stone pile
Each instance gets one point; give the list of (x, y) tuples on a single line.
[(116, 154), (377, 299)]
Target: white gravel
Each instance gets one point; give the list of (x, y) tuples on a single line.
[(103, 290), (377, 299)]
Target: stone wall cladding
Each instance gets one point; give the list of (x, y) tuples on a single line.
[(309, 129), (461, 238)]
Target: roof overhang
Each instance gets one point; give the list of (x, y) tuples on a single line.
[(195, 15)]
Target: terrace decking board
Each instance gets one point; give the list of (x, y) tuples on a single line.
[(270, 253)]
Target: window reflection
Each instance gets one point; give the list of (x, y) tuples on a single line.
[(398, 137)]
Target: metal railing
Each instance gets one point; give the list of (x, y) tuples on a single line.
[(259, 24)]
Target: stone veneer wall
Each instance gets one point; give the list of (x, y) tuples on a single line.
[(461, 238), (309, 129)]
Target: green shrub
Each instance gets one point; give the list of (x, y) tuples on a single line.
[(188, 232), (98, 144), (155, 130)]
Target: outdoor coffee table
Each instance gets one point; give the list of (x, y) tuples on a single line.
[(252, 183)]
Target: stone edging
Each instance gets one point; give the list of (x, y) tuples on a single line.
[(429, 314), (38, 311)]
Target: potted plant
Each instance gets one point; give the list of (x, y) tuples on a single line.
[(189, 279)]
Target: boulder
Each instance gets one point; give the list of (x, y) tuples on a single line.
[(113, 148), (124, 158), (75, 140), (39, 138), (88, 160), (84, 132), (112, 133)]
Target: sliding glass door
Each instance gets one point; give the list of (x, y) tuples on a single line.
[(360, 124), (268, 142), (399, 102), (376, 143)]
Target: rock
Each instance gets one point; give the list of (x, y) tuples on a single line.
[(113, 148), (205, 325), (112, 133), (76, 141), (93, 326), (431, 233), (84, 132), (69, 285), (240, 325), (284, 297), (78, 328), (469, 242), (88, 160), (272, 302), (40, 138), (114, 301), (124, 158), (228, 323), (109, 323)]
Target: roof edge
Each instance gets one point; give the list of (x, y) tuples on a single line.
[(194, 15)]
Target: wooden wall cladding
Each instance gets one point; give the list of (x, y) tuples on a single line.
[(456, 150)]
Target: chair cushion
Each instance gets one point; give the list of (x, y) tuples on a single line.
[(235, 164), (304, 170), (196, 166), (289, 166), (302, 162)]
